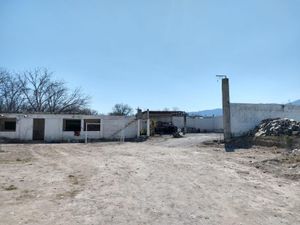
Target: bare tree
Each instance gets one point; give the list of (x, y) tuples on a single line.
[(3, 78), (37, 91), (3, 75), (35, 86), (11, 97), (76, 102), (89, 111), (121, 110), (43, 94)]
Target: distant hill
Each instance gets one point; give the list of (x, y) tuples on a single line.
[(219, 112), (211, 112), (297, 102)]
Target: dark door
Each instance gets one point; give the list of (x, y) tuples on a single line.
[(38, 129)]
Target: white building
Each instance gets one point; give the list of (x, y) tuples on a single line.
[(59, 127), (72, 127)]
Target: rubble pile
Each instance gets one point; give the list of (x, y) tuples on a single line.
[(178, 134), (277, 127)]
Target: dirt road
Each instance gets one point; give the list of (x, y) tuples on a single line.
[(160, 181)]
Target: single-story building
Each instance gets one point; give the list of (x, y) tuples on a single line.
[(65, 127), (72, 127)]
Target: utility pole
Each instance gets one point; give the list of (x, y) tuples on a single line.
[(226, 107), (148, 123)]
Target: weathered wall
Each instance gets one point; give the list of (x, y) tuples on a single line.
[(23, 128), (245, 117), (111, 125), (210, 124), (54, 127)]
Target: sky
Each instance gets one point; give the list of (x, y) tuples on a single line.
[(157, 54)]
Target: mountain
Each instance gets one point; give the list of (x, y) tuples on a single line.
[(297, 102), (211, 112), (219, 112)]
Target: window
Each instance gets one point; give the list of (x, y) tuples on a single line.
[(8, 124), (93, 124), (71, 125)]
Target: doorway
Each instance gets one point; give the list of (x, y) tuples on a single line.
[(38, 129)]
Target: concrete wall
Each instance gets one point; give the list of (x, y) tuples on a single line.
[(245, 117), (110, 125), (209, 124), (53, 129), (23, 128)]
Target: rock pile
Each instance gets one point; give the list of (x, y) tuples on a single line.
[(277, 127)]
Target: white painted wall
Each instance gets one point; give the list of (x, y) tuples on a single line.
[(10, 134), (109, 126), (23, 128), (113, 124), (245, 117), (26, 125), (210, 124), (178, 121), (54, 127)]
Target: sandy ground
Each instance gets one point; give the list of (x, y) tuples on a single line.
[(160, 181)]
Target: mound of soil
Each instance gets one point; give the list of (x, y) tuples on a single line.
[(286, 165)]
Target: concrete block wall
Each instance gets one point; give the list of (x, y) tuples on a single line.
[(113, 124), (210, 124), (245, 117), (23, 128), (53, 129), (131, 130)]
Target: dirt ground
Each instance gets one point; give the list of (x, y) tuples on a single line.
[(160, 181)]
